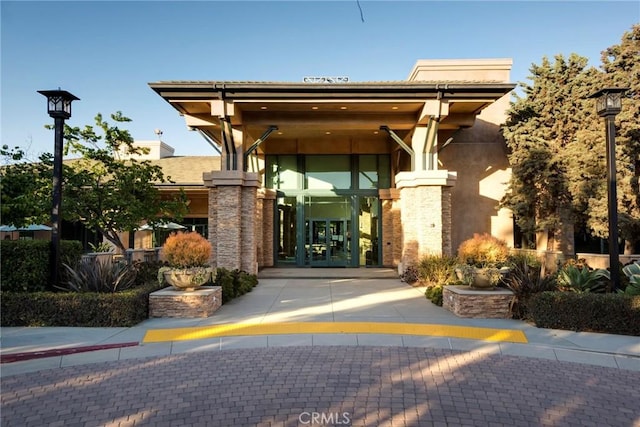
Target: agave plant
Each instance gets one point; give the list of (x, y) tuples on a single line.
[(92, 276), (632, 271), (581, 280)]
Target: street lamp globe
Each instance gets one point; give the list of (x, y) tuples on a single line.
[(608, 100), (59, 102)]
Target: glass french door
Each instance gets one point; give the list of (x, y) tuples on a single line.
[(328, 242)]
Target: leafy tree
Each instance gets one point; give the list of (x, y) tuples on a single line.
[(100, 189), (109, 194), (25, 188)]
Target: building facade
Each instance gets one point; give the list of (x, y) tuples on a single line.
[(331, 173)]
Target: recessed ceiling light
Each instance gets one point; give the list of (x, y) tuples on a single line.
[(327, 133), (279, 133), (343, 108), (375, 132), (263, 108), (314, 108), (394, 108)]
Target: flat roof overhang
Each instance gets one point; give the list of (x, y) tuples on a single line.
[(302, 110)]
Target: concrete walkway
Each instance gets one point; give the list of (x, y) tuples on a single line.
[(555, 378)]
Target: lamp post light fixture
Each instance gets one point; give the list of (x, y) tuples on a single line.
[(58, 107), (608, 104)]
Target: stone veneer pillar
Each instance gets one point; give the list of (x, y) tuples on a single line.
[(268, 199), (391, 241), (232, 219), (425, 214)]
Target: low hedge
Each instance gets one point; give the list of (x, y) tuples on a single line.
[(607, 313), (24, 264), (234, 283), (126, 308)]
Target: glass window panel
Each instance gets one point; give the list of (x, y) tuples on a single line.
[(368, 172), (368, 223), (328, 172), (327, 207), (282, 172), (384, 171), (287, 232)]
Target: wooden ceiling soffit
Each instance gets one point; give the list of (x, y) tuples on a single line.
[(201, 120), (336, 121)]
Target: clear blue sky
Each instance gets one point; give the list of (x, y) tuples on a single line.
[(106, 52)]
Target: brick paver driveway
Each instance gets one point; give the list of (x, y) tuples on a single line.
[(306, 386)]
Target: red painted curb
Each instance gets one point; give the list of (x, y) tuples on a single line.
[(18, 357)]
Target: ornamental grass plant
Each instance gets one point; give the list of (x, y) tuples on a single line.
[(484, 250), (186, 250)]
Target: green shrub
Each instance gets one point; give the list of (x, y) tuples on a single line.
[(24, 264), (90, 309), (224, 279), (146, 271), (575, 279), (234, 283), (99, 276), (607, 313), (437, 270), (410, 275), (434, 294), (245, 282), (524, 258)]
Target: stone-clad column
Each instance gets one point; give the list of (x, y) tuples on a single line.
[(390, 243), (232, 219), (259, 225), (425, 211), (213, 225), (268, 210)]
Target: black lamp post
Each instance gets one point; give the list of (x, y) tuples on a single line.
[(58, 107), (608, 104)]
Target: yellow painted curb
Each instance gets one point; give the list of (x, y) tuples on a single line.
[(247, 329)]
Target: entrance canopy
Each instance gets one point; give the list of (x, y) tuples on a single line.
[(363, 117), (310, 110)]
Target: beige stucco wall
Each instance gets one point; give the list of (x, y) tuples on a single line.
[(478, 154), (489, 69), (483, 172)]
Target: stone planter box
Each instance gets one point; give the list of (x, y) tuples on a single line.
[(169, 302), (463, 301)]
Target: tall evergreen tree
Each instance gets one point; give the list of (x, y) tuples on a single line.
[(557, 147), (621, 64), (540, 128)]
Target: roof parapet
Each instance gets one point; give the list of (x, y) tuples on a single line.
[(490, 70)]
